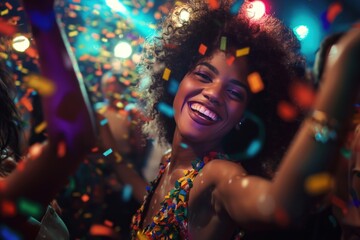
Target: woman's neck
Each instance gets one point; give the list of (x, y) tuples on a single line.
[(184, 152)]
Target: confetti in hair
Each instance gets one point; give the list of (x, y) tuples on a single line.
[(202, 49), (166, 74), (223, 43), (242, 52), (255, 82)]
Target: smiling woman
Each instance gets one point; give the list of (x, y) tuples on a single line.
[(201, 192)]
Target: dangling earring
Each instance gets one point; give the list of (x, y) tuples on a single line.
[(238, 125)]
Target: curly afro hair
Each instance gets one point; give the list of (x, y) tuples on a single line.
[(274, 54)]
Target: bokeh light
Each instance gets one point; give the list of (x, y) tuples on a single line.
[(20, 43), (256, 10), (122, 50)]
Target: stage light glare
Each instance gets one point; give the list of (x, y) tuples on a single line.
[(20, 43), (256, 10), (301, 31), (122, 50), (117, 6)]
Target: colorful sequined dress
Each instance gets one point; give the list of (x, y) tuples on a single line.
[(171, 222)]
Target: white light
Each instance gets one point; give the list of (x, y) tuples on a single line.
[(184, 15), (116, 6), (20, 43), (301, 31), (122, 50), (256, 10)]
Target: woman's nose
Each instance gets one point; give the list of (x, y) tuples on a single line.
[(213, 93)]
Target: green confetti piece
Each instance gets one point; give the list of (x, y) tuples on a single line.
[(346, 153), (223, 44), (30, 208)]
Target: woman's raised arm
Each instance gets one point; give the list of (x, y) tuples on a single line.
[(67, 113)]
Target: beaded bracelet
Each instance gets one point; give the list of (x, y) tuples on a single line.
[(323, 127)]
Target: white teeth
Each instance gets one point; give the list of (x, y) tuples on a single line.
[(203, 110)]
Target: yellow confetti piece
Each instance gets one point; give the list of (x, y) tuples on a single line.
[(318, 183), (242, 52), (40, 84), (4, 12), (255, 82), (4, 55), (166, 74), (73, 33), (41, 127)]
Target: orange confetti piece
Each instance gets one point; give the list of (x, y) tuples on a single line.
[(35, 150), (8, 208), (333, 11), (318, 183), (213, 4), (202, 49), (31, 52), (303, 95), (6, 28), (286, 111), (61, 149), (166, 74), (8, 5), (230, 60), (85, 198), (108, 223), (21, 166), (26, 103), (101, 230), (339, 203), (255, 82), (242, 52), (41, 127)]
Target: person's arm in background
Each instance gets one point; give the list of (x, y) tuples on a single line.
[(122, 167), (67, 113)]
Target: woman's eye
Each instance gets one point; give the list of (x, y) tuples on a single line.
[(236, 94), (203, 77)]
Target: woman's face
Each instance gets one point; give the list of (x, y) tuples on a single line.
[(211, 99)]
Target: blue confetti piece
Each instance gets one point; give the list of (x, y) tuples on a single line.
[(173, 86), (130, 106), (107, 152), (126, 193), (236, 6), (7, 234), (254, 148), (166, 109), (184, 145), (104, 122)]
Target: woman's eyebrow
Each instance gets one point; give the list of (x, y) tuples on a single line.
[(211, 67), (240, 84)]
